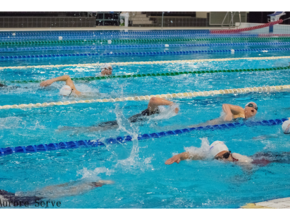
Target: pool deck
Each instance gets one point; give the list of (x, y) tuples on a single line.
[(283, 203), (107, 28)]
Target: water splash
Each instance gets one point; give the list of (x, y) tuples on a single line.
[(202, 150), (92, 175), (166, 112), (133, 161), (9, 122)]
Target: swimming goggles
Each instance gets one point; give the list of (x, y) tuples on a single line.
[(70, 93), (225, 155), (251, 105), (110, 68)]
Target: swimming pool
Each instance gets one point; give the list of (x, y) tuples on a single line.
[(142, 180)]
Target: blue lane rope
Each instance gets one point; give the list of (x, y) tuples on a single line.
[(44, 56), (192, 52), (84, 33), (128, 138), (116, 37), (106, 47)]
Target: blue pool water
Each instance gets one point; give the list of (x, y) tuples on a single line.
[(142, 180)]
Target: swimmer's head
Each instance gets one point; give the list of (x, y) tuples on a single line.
[(286, 127), (251, 109), (65, 90), (216, 148), (106, 69), (2, 85)]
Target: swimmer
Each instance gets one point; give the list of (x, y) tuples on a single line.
[(66, 90), (106, 70), (219, 151), (50, 192), (4, 87), (155, 106), (233, 113)]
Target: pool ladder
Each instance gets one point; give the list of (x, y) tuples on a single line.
[(231, 23)]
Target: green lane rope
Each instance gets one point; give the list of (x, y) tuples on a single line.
[(98, 41), (197, 39), (92, 78)]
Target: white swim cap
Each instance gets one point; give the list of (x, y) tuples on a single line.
[(106, 66), (286, 127), (217, 147), (65, 90)]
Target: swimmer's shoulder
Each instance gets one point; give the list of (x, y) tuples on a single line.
[(242, 158)]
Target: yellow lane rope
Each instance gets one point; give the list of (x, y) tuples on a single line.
[(147, 62), (147, 97)]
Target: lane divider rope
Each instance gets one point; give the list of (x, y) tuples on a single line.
[(98, 32), (247, 28), (147, 97), (128, 138), (148, 62), (16, 49), (92, 78), (162, 53), (117, 37), (99, 41), (258, 50)]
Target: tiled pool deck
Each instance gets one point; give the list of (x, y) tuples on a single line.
[(283, 203)]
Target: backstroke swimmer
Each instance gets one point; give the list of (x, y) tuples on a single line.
[(50, 192)]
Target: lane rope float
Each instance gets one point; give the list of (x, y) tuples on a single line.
[(101, 41), (16, 49), (159, 53), (92, 78), (128, 138), (246, 29), (279, 88), (147, 62)]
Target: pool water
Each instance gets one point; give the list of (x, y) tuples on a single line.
[(142, 180)]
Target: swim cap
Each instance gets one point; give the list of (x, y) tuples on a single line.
[(286, 127), (106, 66), (65, 90), (217, 147)]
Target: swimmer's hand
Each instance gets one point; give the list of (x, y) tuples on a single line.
[(183, 156), (173, 159), (46, 83)]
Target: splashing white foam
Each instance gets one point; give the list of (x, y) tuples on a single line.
[(202, 150), (9, 122), (92, 175), (133, 161), (166, 112)]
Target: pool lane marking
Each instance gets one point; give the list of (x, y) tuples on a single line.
[(147, 62), (147, 97)]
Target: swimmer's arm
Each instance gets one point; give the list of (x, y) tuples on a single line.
[(156, 101), (231, 110), (183, 156), (65, 78), (55, 187)]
